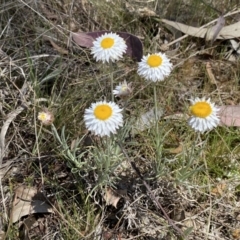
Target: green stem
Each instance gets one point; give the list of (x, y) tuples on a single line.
[(111, 79), (155, 106), (157, 137)]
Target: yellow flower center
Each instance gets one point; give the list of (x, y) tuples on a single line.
[(154, 61), (103, 112), (201, 109), (107, 42), (42, 116), (124, 88)]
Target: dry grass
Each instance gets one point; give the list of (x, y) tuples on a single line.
[(194, 177)]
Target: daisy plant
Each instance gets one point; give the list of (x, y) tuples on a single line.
[(155, 67), (109, 48), (203, 115), (103, 118)]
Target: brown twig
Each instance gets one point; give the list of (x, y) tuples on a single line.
[(158, 205)]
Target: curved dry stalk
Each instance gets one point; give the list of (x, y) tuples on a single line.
[(10, 117)]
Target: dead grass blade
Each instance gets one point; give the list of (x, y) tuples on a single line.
[(61, 50), (4, 168), (11, 116)]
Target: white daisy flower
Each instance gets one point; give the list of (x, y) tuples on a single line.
[(123, 89), (204, 115), (108, 47), (46, 117), (154, 67), (103, 118)]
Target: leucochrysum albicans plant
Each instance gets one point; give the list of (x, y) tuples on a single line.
[(155, 68), (109, 48), (105, 118)]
